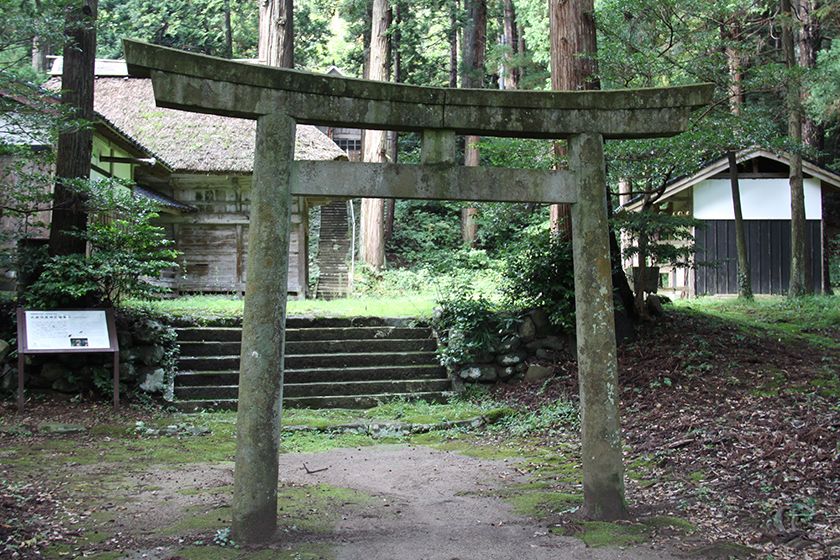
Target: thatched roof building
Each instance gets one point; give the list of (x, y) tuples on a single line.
[(203, 169), (191, 142)]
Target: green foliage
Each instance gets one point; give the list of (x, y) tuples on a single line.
[(428, 232), (824, 99), (834, 261), (560, 414), (468, 325), (183, 24), (127, 253), (668, 238), (538, 273)]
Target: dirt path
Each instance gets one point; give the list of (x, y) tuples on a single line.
[(433, 505)]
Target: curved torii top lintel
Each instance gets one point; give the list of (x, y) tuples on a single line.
[(200, 83)]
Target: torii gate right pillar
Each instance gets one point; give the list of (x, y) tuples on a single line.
[(603, 470)]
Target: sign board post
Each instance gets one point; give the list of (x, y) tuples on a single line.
[(67, 331)]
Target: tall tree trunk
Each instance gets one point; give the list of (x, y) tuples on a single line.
[(813, 133), (374, 143), (475, 51), (394, 136), (736, 95), (40, 49), (512, 42), (454, 8), (228, 31), (620, 284), (799, 284), (573, 67), (744, 276), (75, 147), (277, 33)]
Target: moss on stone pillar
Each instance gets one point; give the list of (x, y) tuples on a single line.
[(261, 368), (603, 469)]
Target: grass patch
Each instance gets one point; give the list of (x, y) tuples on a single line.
[(207, 308), (814, 319)]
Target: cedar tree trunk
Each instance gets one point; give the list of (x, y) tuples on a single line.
[(374, 142), (475, 52), (799, 284), (573, 67), (75, 146), (277, 33)]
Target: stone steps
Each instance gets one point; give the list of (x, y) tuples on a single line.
[(328, 389), (356, 401), (294, 347), (334, 248), (329, 362)]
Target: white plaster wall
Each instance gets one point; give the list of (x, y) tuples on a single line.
[(761, 199)]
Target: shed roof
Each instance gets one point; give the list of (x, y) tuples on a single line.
[(720, 165), (191, 142)]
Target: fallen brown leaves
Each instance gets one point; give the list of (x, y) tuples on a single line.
[(728, 429)]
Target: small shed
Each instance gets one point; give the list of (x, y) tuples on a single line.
[(209, 162), (765, 201)]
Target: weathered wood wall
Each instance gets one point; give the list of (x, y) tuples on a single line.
[(214, 240), (768, 247)]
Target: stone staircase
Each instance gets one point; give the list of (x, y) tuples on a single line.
[(330, 363), (334, 247)]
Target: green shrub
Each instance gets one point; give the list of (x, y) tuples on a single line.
[(834, 261), (468, 325), (538, 273), (426, 232), (127, 254), (392, 281), (502, 225)]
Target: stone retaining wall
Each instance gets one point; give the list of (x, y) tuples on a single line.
[(148, 357), (526, 351)]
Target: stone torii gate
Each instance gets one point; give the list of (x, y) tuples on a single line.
[(279, 98)]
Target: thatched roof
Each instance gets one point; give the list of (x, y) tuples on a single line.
[(192, 142)]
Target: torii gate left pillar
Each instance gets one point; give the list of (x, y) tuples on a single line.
[(279, 98)]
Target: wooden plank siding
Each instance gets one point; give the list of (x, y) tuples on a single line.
[(768, 246), (214, 240)]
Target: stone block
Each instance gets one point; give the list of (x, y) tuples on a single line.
[(53, 371), (479, 373), (541, 321), (154, 382), (150, 355), (64, 385), (537, 372), (511, 359), (508, 344), (527, 329)]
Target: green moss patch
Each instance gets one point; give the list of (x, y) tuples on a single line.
[(671, 522), (312, 509), (601, 533), (540, 504)]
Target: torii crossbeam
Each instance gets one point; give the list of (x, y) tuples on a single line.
[(279, 98)]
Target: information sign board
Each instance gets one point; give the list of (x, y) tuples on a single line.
[(70, 331)]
